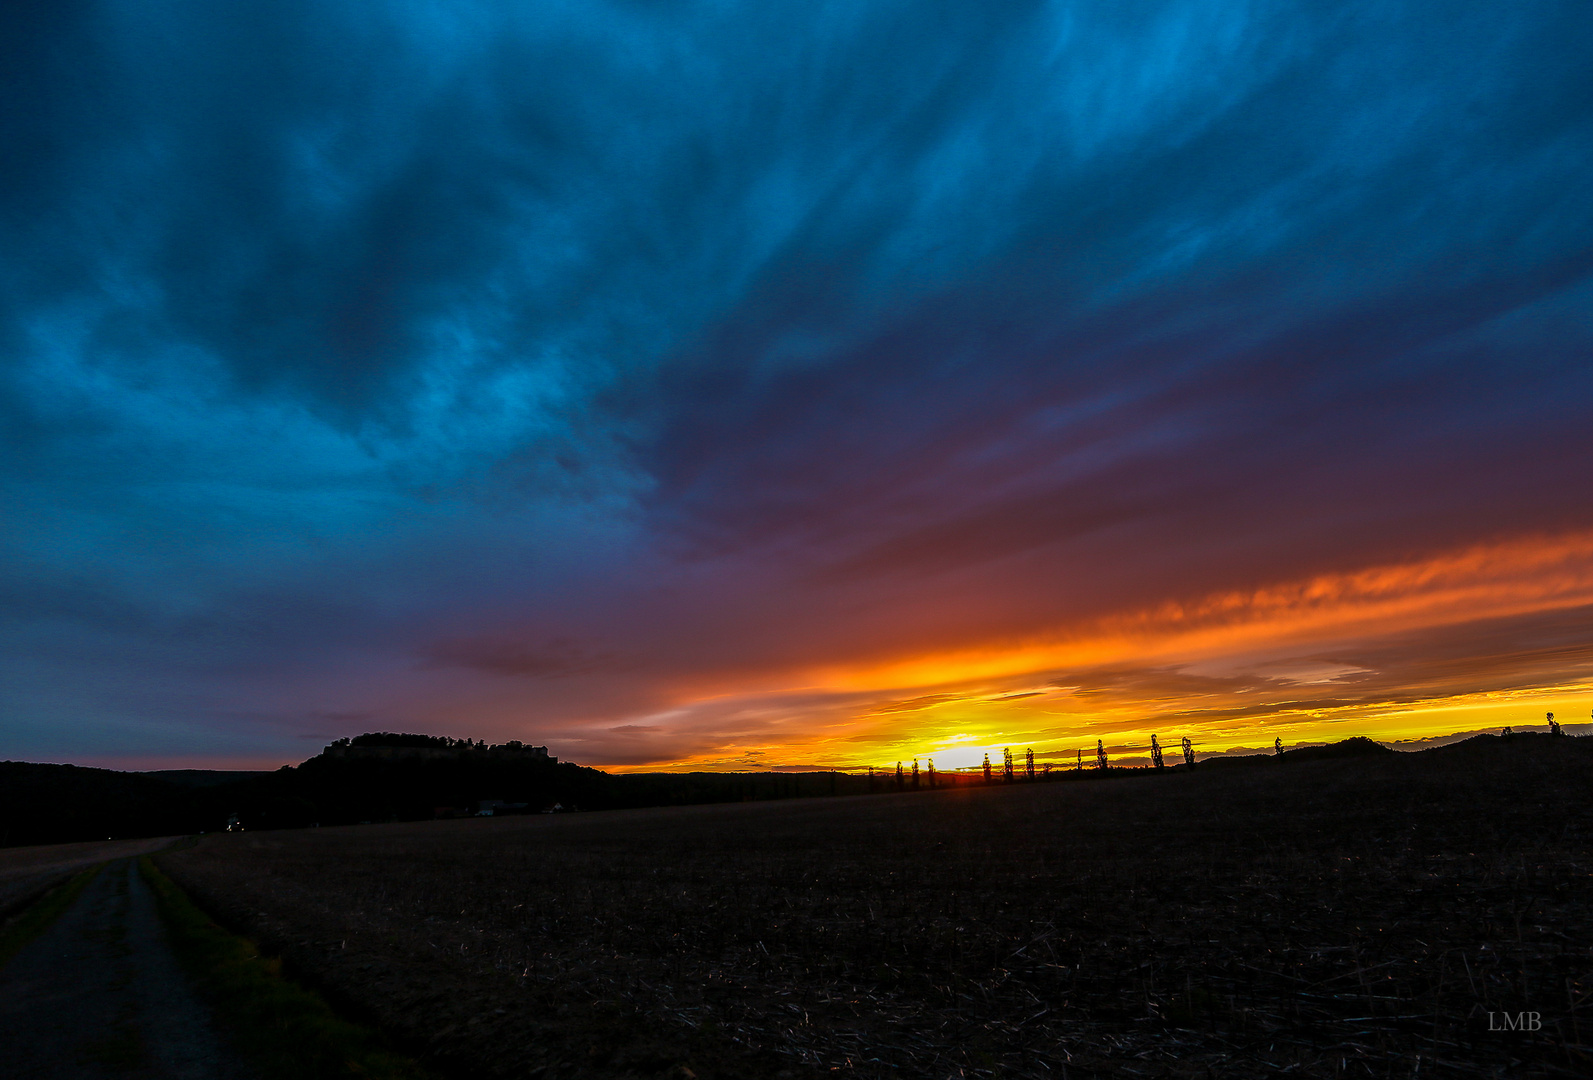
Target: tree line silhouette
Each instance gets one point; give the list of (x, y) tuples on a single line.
[(904, 780), (385, 776), (1006, 773)]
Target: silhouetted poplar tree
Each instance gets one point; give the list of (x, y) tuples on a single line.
[(1100, 755), (1028, 763), (1189, 752), (987, 768), (1156, 752), (915, 774), (1006, 765)]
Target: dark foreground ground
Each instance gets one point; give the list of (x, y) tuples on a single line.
[(100, 995), (1378, 917)]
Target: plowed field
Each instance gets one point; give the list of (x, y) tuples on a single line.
[(1365, 917)]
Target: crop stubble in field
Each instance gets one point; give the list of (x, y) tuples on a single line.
[(1342, 918)]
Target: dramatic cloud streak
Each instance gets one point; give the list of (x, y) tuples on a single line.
[(707, 382)]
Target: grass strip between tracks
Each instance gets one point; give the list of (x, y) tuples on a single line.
[(37, 917), (287, 1029)]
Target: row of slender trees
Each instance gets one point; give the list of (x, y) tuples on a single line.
[(1008, 773), (911, 777)]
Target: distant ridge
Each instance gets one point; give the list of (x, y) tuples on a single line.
[(1488, 744), (384, 776), (1356, 746)]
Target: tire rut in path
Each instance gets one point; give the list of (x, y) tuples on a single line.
[(100, 994)]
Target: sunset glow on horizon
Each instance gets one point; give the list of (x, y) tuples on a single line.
[(793, 386), (1246, 669)]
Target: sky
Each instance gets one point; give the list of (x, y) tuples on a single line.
[(774, 384)]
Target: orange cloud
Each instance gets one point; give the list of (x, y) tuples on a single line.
[(1484, 581), (1478, 637)]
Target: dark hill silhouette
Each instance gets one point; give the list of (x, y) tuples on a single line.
[(1484, 745), (203, 777), (375, 777), (1358, 746), (55, 804)]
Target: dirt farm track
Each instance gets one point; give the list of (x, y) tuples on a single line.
[(1374, 916), (26, 872)]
